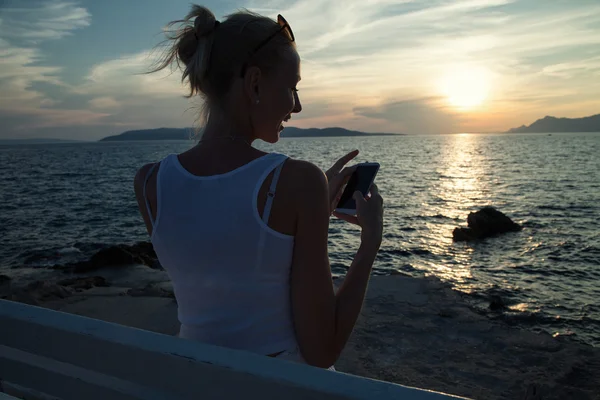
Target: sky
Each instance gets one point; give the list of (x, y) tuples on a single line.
[(72, 69)]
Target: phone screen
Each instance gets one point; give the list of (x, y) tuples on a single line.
[(360, 180)]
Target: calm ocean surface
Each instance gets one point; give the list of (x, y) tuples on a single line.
[(62, 202)]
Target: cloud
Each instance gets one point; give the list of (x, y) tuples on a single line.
[(568, 70), (46, 118), (134, 98), (373, 66), (104, 103), (17, 73), (115, 93), (364, 53), (414, 116), (43, 20), (126, 77), (357, 27), (21, 64)]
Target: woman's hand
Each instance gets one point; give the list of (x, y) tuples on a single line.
[(369, 215), (338, 176)]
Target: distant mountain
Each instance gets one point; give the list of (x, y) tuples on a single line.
[(553, 124), (327, 132), (186, 133), (153, 134), (37, 141)]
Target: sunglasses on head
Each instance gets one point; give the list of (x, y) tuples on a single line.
[(284, 26)]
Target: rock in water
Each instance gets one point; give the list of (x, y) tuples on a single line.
[(84, 283), (43, 290), (485, 223), (497, 303), (115, 256), (4, 286), (150, 291)]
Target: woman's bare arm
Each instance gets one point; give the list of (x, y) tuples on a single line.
[(138, 186), (323, 319)]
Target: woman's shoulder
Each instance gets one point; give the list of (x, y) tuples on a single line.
[(304, 169), (146, 175), (150, 170), (305, 189), (142, 173), (304, 175)]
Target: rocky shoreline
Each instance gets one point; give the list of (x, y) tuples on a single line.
[(75, 277), (413, 331)]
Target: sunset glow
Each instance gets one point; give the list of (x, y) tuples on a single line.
[(466, 87), (74, 69)]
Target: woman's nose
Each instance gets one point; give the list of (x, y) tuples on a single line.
[(297, 104)]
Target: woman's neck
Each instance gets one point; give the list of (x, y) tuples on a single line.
[(221, 126)]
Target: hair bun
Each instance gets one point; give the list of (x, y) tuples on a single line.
[(205, 22)]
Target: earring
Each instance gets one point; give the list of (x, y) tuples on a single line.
[(257, 101)]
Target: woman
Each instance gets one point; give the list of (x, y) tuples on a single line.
[(243, 233)]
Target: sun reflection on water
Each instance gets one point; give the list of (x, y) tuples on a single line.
[(462, 185)]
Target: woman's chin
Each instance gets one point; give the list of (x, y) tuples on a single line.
[(273, 136), (277, 135)]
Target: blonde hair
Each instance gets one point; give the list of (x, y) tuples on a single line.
[(211, 54)]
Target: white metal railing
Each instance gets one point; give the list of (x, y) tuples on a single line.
[(72, 357)]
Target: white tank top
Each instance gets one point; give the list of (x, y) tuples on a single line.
[(230, 270)]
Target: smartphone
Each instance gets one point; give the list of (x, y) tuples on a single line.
[(361, 180)]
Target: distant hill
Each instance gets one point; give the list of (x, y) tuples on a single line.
[(152, 134), (186, 133), (552, 124), (37, 141), (327, 132)]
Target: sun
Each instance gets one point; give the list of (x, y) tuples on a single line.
[(466, 87)]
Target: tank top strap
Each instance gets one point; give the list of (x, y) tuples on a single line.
[(271, 162), (271, 192), (148, 209), (275, 162)]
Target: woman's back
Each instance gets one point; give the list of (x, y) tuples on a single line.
[(240, 281), (230, 270)]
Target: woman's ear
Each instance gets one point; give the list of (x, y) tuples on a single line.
[(251, 84)]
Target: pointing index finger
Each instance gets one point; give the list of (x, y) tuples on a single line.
[(339, 164)]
